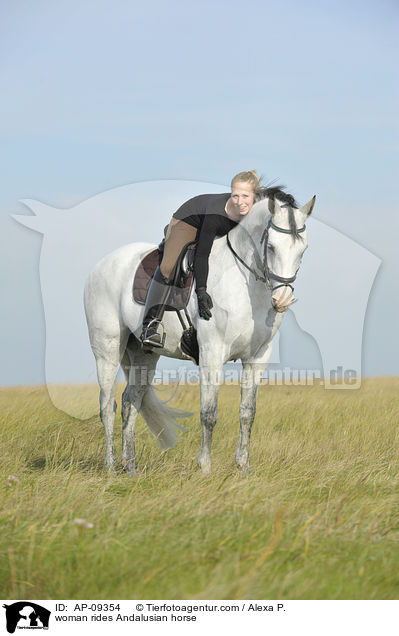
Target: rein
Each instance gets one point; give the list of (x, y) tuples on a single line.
[(267, 275)]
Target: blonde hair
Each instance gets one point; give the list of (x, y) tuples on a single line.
[(251, 178)]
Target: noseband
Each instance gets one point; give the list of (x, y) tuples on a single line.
[(268, 275)]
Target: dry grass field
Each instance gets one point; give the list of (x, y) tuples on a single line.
[(318, 518)]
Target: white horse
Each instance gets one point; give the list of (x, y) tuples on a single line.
[(250, 281)]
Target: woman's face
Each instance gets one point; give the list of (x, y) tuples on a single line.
[(242, 197)]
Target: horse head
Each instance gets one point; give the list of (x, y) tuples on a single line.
[(285, 242)]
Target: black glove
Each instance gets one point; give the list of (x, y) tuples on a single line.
[(205, 303)]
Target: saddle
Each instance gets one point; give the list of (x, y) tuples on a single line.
[(180, 292), (182, 282)]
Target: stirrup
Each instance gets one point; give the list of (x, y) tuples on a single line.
[(146, 340)]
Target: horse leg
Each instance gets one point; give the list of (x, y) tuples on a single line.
[(209, 380), (141, 373), (126, 364), (107, 368), (250, 379)]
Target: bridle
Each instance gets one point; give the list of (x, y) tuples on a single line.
[(267, 276)]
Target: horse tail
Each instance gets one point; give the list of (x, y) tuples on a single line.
[(161, 419)]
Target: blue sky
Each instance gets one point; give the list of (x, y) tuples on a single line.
[(97, 94)]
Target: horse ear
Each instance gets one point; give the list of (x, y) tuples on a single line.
[(308, 207)]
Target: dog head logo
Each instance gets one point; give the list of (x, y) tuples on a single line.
[(26, 615)]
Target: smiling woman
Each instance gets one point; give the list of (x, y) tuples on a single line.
[(201, 219)]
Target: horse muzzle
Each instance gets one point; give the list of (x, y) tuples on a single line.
[(282, 299)]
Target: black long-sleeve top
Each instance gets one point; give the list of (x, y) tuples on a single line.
[(207, 213)]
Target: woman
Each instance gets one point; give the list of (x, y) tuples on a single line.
[(202, 218)]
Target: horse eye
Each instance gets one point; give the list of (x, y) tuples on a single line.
[(270, 248)]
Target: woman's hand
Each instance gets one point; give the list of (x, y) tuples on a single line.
[(205, 303)]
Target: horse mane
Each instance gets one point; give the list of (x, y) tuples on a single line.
[(278, 192)]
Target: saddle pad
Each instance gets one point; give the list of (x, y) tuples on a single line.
[(179, 296)]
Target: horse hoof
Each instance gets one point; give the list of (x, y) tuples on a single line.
[(244, 469), (130, 468), (205, 467)]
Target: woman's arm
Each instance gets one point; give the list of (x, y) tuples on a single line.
[(205, 241)]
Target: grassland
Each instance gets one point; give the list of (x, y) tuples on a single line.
[(318, 518)]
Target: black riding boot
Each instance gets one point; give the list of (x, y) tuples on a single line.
[(156, 300)]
